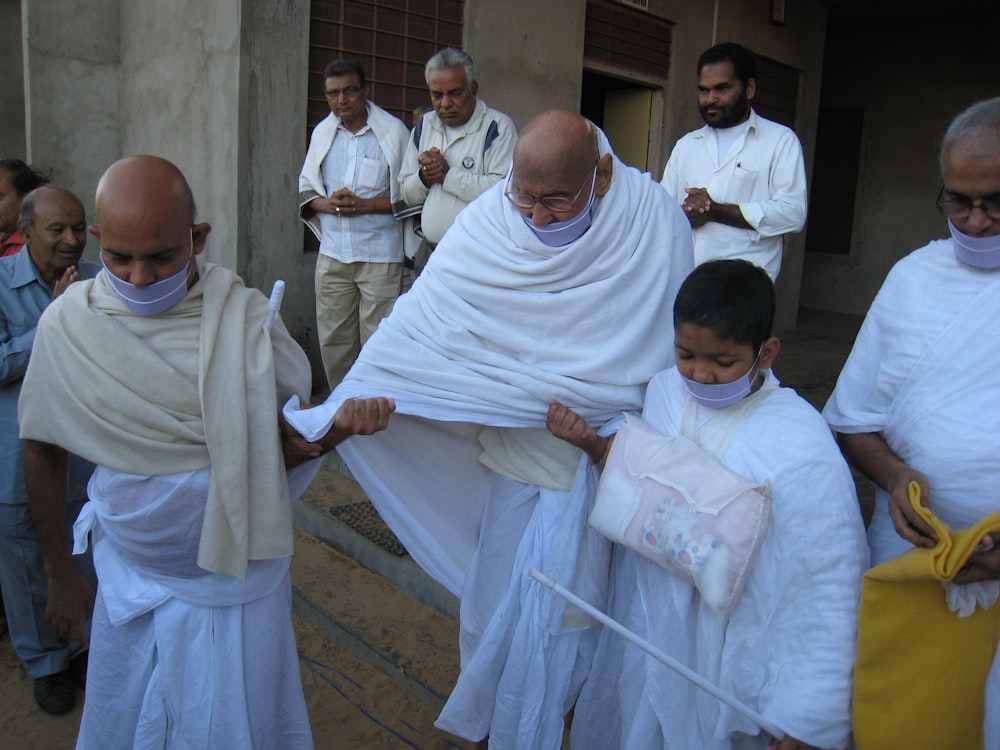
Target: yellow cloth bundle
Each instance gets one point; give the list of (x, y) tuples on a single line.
[(921, 670)]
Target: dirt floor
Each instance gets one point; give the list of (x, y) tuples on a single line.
[(352, 706)]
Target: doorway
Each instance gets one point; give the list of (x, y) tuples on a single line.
[(621, 108)]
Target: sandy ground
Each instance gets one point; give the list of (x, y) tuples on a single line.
[(351, 705)]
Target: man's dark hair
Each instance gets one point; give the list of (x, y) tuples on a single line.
[(23, 177), (345, 67), (734, 299), (743, 60)]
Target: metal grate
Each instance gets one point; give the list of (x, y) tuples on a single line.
[(627, 39), (777, 95), (392, 39)]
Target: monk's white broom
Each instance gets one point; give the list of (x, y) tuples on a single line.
[(657, 654)]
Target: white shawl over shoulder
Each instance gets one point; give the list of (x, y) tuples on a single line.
[(194, 387)]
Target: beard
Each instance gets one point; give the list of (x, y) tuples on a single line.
[(726, 115)]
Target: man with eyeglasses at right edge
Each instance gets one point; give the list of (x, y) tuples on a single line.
[(918, 401)]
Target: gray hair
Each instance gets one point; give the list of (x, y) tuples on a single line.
[(451, 57), (27, 213), (976, 129)]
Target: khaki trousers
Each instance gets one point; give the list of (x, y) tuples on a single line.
[(351, 300)]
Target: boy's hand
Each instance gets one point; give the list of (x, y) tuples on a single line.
[(567, 425)]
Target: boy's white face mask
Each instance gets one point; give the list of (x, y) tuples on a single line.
[(721, 395)]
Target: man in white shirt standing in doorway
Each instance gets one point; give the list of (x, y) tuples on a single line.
[(741, 178)]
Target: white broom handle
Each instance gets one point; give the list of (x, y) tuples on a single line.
[(274, 302), (657, 654)]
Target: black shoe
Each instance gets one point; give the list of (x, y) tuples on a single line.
[(55, 693), (78, 669)]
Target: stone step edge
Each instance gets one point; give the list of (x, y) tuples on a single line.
[(355, 644)]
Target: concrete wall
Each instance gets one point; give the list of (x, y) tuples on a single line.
[(220, 89), (72, 113), (180, 100), (533, 64), (912, 79), (275, 62), (12, 133)]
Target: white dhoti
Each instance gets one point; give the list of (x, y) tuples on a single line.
[(181, 657)]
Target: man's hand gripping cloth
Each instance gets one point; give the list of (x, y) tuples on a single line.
[(193, 388), (497, 325), (920, 676)]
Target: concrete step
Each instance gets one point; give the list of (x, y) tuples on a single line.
[(376, 605)]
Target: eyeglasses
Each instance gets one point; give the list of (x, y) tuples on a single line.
[(551, 202), (350, 92), (959, 206)]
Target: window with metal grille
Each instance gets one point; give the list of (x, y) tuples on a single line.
[(392, 39), (777, 96), (627, 39)]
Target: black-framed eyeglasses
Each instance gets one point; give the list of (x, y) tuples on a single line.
[(552, 202), (350, 92), (959, 206)]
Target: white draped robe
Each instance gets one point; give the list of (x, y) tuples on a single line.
[(498, 324), (923, 373)]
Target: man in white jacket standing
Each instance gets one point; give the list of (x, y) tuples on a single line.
[(346, 195), (459, 150)]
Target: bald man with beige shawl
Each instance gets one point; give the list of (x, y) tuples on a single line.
[(189, 509)]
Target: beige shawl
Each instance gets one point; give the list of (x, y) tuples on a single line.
[(198, 386)]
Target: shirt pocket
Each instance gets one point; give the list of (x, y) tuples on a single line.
[(374, 174), (743, 184)]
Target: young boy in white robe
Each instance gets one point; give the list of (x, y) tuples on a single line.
[(787, 646)]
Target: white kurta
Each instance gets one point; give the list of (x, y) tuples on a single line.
[(496, 325), (788, 646), (922, 373)]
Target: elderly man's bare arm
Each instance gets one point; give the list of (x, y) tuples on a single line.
[(70, 597), (871, 455), (364, 416)]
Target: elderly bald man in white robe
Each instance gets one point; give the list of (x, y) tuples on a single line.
[(557, 283)]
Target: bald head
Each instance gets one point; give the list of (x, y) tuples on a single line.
[(557, 142), (47, 196), (556, 156), (146, 186), (145, 216)]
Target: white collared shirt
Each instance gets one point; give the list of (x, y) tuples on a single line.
[(763, 173), (356, 161)]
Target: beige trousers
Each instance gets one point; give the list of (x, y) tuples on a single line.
[(351, 299)]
